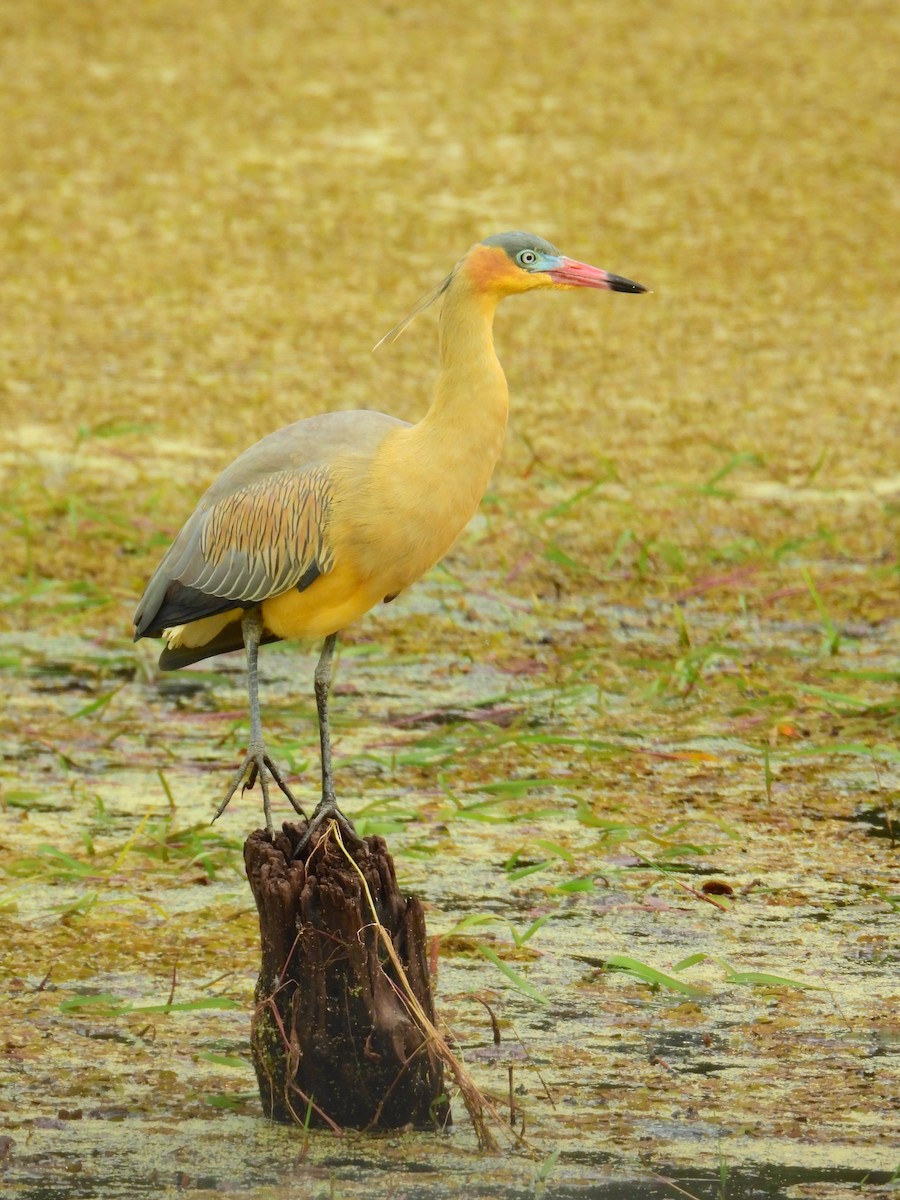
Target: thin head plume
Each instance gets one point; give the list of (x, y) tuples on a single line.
[(426, 301)]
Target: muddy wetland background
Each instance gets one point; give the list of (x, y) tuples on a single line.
[(634, 743)]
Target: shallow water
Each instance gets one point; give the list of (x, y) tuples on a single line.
[(504, 801)]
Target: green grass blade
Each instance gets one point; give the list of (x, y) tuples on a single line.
[(764, 979), (647, 974), (518, 981)]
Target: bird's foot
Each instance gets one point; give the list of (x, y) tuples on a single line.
[(258, 765), (327, 810)]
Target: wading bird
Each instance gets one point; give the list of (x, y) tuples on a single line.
[(320, 521)]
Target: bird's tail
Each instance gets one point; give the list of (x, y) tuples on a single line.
[(227, 639)]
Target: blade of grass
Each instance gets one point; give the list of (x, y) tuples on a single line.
[(517, 980), (648, 974)]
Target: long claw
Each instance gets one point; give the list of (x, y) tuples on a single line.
[(279, 779), (326, 811), (258, 765)]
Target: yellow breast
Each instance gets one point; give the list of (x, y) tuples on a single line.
[(327, 606)]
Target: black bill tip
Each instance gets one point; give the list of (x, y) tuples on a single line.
[(618, 283)]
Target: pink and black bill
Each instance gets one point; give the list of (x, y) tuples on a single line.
[(537, 256), (579, 274)]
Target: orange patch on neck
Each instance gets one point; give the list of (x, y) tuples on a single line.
[(489, 269)]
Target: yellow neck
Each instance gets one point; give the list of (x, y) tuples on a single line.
[(465, 425), (427, 479)]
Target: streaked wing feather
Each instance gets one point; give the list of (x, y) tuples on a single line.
[(260, 540), (255, 542)]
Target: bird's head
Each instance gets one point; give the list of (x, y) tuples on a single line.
[(508, 263)]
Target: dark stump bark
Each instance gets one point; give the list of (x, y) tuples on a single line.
[(333, 1041)]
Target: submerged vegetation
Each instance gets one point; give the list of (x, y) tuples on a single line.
[(635, 743)]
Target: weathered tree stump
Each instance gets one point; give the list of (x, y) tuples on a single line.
[(333, 1040)]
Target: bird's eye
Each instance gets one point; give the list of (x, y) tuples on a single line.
[(526, 258)]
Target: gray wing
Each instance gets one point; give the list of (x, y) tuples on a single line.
[(263, 526)]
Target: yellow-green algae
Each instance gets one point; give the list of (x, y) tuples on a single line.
[(670, 637)]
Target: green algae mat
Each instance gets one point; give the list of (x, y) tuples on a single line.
[(634, 743)]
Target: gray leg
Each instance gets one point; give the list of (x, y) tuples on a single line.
[(257, 763), (327, 809), (323, 687)]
